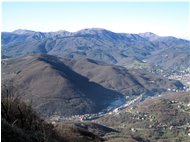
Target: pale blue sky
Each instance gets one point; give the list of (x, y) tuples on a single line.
[(162, 18)]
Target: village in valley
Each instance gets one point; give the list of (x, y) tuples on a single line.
[(183, 75)]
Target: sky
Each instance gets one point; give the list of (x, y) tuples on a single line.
[(162, 18)]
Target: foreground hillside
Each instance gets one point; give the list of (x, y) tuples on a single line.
[(164, 118), (19, 123)]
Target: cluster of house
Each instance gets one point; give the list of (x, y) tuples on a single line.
[(181, 75), (56, 118), (184, 89), (181, 105), (184, 78), (165, 126), (84, 117), (142, 116)]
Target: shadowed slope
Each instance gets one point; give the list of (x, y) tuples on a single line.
[(127, 82), (55, 89)]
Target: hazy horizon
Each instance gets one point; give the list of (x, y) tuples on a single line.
[(161, 18), (95, 28)]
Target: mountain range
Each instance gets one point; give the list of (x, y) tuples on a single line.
[(142, 50)]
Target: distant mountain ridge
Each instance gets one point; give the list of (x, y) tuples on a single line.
[(147, 35), (98, 44)]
